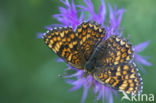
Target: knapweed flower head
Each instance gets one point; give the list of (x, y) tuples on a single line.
[(73, 15)]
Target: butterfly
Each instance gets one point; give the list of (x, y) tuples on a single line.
[(109, 61)]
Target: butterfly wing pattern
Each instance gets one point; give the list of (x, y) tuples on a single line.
[(90, 34), (113, 58), (64, 43), (116, 67), (75, 47)]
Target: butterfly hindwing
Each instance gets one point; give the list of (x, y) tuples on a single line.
[(123, 77), (115, 66)]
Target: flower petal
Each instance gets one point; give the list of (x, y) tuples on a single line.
[(85, 93), (102, 12), (110, 98), (141, 46), (78, 73), (68, 16), (59, 60), (115, 16), (40, 35), (142, 60), (76, 87)]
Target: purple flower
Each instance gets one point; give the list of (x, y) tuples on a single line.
[(69, 16)]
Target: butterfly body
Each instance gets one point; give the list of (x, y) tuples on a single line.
[(99, 51), (109, 61)]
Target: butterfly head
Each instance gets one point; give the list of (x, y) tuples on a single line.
[(89, 66)]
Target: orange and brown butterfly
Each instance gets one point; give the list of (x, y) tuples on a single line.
[(109, 61)]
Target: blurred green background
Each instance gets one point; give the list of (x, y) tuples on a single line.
[(28, 69)]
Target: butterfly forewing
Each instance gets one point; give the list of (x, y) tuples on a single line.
[(90, 35), (116, 51), (63, 42)]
